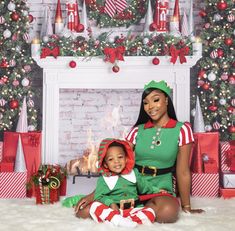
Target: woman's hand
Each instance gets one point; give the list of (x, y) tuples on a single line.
[(84, 202), (188, 209)]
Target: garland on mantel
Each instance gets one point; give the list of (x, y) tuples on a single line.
[(134, 45)]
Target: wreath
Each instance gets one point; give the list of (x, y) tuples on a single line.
[(134, 12)]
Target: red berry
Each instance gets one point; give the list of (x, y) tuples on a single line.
[(72, 64)]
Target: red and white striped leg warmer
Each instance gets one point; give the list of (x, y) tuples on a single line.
[(142, 215), (102, 213)]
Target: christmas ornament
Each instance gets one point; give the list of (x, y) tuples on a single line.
[(208, 128), (228, 41), (1, 116), (216, 125), (207, 25), (31, 18), (115, 68), (26, 37), (11, 6), (80, 28), (231, 18), (30, 103), (201, 74), (18, 49), (12, 63), (155, 61), (211, 76), (233, 102), (113, 7), (231, 129), (217, 17), (45, 39), (15, 17), (231, 80), (222, 101), (4, 63), (214, 54), (27, 68), (200, 83), (72, 64), (25, 82), (14, 104), (220, 53), (2, 20), (146, 41), (224, 76), (6, 33), (205, 86), (222, 5), (2, 102), (15, 83), (202, 13), (231, 109), (4, 79), (212, 108)]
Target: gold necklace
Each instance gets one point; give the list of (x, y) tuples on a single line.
[(156, 139)]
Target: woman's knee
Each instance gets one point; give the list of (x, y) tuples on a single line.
[(167, 213)]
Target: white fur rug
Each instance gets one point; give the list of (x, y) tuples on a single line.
[(25, 215)]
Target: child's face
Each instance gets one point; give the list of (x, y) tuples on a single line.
[(115, 159)]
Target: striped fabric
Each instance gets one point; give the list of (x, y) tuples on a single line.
[(13, 184), (113, 6), (185, 137), (205, 184), (102, 213), (224, 147)]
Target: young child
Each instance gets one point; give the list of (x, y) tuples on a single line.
[(116, 195)]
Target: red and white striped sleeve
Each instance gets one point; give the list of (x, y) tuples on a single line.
[(131, 137), (186, 134)]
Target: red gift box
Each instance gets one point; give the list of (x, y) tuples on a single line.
[(31, 143), (63, 187), (206, 144), (46, 195), (13, 184), (1, 150), (210, 167), (227, 156), (205, 184), (227, 193), (7, 164)]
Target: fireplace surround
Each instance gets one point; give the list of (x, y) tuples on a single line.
[(94, 73)]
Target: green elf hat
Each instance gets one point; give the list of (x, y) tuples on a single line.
[(161, 85)]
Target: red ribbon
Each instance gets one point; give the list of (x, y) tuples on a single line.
[(113, 54), (50, 52), (178, 53)]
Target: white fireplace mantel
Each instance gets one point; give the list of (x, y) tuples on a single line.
[(96, 74)]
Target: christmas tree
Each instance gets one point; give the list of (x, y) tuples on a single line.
[(16, 65), (216, 79)]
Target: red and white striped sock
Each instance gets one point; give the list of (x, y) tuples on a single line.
[(102, 213)]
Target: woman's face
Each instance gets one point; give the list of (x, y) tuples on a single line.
[(155, 105)]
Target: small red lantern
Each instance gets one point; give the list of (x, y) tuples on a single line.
[(155, 61), (72, 64), (14, 104), (115, 69)]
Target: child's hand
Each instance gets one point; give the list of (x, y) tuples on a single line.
[(114, 207)]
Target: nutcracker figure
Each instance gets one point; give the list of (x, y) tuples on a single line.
[(160, 15)]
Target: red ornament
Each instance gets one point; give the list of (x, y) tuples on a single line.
[(202, 13), (201, 74), (115, 69), (231, 79), (205, 86), (228, 41), (231, 129), (4, 63), (4, 78), (72, 64), (80, 28), (231, 109), (31, 18), (212, 108), (155, 61), (222, 5), (220, 53), (14, 104), (15, 16)]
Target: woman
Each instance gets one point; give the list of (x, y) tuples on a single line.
[(161, 144)]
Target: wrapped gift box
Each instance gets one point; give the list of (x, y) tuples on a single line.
[(205, 184), (13, 184), (206, 148), (31, 143), (227, 156), (1, 150), (228, 179), (46, 195), (6, 166), (227, 192)]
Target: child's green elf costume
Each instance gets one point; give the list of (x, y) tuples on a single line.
[(118, 189)]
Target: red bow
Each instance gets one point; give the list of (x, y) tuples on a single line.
[(50, 52), (113, 54), (181, 53)]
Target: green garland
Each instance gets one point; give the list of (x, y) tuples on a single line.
[(134, 12)]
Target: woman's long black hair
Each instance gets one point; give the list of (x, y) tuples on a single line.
[(143, 116)]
